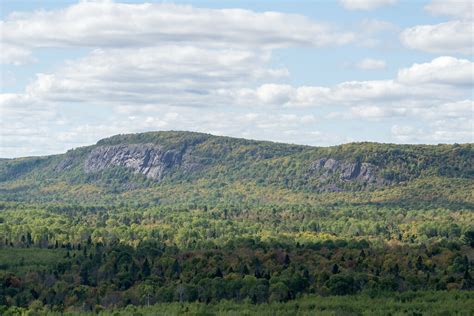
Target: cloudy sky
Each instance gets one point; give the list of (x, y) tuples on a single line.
[(306, 72)]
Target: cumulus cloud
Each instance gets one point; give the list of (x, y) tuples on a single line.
[(224, 91), (445, 38), (368, 113), (442, 132), (344, 93), (442, 70), (117, 25), (451, 37), (274, 93), (455, 8), (365, 4), (151, 78), (166, 75), (441, 79), (27, 126), (15, 55), (464, 109), (371, 64), (213, 78), (407, 133), (445, 123)]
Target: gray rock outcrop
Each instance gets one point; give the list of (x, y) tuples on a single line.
[(65, 164), (148, 159), (345, 171)]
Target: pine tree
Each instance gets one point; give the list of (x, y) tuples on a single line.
[(146, 268), (84, 274), (467, 282), (176, 269), (218, 273), (287, 260), (419, 263)]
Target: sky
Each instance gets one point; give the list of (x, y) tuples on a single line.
[(307, 72)]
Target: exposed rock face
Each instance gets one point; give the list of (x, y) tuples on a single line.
[(65, 164), (346, 171), (148, 159)]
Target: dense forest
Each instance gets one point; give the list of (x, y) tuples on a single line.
[(176, 223)]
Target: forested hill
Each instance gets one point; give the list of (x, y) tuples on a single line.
[(186, 167), (200, 224)]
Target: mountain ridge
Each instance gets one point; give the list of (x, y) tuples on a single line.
[(156, 160), (120, 137)]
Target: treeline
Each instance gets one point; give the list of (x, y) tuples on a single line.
[(92, 276), (200, 227)]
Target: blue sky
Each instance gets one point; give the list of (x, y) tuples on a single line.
[(307, 72)]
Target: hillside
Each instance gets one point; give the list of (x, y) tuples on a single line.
[(186, 167), (193, 222)]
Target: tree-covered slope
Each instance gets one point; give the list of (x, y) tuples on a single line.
[(227, 224), (186, 166)]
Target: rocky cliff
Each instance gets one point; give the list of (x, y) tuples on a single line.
[(155, 162), (332, 174), (150, 160)]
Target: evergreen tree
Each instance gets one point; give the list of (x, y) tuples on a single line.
[(146, 268)]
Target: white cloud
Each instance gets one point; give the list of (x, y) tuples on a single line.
[(406, 133), (132, 80), (120, 25), (345, 93), (15, 55), (165, 75), (445, 38), (455, 8), (464, 109), (434, 114), (365, 4), (451, 37), (442, 131), (443, 70), (275, 94), (142, 79), (27, 126), (192, 77), (376, 112), (446, 123), (439, 80), (371, 64), (19, 106)]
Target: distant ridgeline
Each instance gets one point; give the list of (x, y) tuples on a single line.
[(196, 168)]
